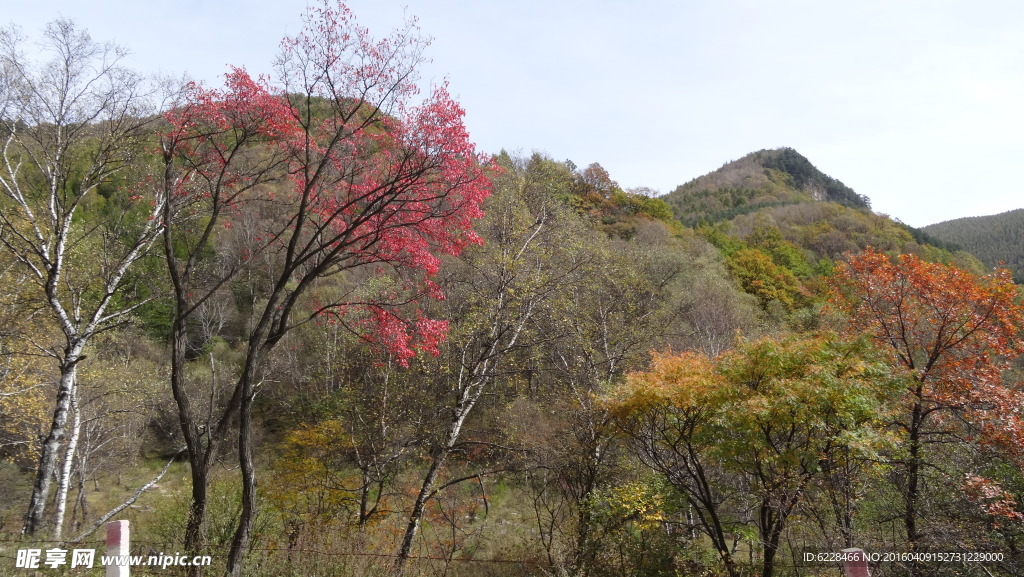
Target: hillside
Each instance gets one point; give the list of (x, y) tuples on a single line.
[(997, 240), (762, 179), (316, 332), (779, 193)]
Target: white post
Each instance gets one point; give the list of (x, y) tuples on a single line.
[(117, 546), (855, 563)]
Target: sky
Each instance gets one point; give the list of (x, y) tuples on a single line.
[(918, 105)]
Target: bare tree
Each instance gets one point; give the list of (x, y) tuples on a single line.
[(69, 125)]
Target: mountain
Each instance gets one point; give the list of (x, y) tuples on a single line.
[(997, 240), (762, 179), (781, 224)]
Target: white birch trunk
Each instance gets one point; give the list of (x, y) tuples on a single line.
[(64, 483)]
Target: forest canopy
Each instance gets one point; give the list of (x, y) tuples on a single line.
[(301, 325)]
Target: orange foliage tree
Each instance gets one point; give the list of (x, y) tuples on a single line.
[(953, 334)]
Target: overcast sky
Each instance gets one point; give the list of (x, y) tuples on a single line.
[(918, 105)]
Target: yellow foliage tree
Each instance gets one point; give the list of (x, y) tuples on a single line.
[(742, 436)]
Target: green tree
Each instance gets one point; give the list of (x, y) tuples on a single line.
[(744, 435), (760, 276)]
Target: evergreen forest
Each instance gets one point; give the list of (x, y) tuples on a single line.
[(996, 240)]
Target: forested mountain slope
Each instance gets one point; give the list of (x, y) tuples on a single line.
[(782, 224), (782, 188), (997, 240), (762, 179), (321, 334)]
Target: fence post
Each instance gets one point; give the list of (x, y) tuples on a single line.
[(855, 563), (117, 546)]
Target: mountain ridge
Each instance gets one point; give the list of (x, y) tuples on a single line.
[(997, 239)]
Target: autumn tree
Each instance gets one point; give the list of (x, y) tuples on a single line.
[(70, 122), (217, 151), (952, 334), (743, 436), (352, 174), (594, 179), (768, 281)]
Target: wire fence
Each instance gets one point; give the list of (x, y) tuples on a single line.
[(161, 558), (266, 561)]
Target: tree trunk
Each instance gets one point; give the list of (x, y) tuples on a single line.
[(771, 523), (462, 410), (913, 482), (585, 554), (69, 461), (51, 445), (405, 551), (81, 503), (240, 542), (199, 456)]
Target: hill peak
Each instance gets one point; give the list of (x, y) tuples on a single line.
[(766, 178)]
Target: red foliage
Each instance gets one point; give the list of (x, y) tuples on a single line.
[(953, 332), (993, 499), (210, 124), (363, 175)]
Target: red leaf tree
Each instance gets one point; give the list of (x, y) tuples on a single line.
[(954, 334), (334, 169)]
